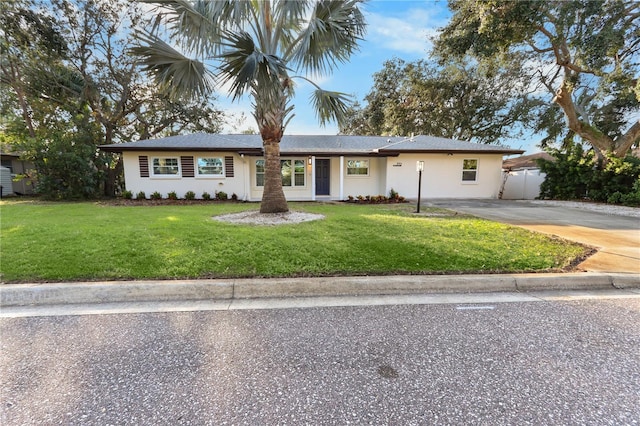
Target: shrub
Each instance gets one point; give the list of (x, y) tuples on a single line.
[(222, 196), (141, 196), (576, 174), (206, 195), (172, 195), (189, 195), (127, 195), (234, 196), (376, 199), (393, 194), (156, 196)]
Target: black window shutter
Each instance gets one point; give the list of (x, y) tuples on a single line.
[(228, 166), (187, 166), (143, 160)]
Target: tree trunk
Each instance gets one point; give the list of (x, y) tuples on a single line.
[(270, 111), (112, 176), (601, 142), (273, 199)]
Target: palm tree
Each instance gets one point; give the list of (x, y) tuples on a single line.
[(255, 45)]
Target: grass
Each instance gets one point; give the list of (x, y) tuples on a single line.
[(92, 241)]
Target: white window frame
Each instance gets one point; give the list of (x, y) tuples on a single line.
[(209, 175), (178, 173), (293, 160), (355, 166), (475, 170)]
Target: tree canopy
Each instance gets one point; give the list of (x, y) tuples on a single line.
[(69, 83), (457, 101), (582, 55)]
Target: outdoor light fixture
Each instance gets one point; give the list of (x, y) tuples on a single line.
[(419, 169), (309, 160)]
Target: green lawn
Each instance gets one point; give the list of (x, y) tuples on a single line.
[(91, 241)]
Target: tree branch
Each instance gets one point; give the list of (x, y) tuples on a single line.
[(624, 142)]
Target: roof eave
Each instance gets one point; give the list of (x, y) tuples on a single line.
[(454, 151), (120, 149)]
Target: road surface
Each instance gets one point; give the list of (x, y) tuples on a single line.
[(546, 362)]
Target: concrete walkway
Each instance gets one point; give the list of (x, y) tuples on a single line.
[(617, 238)]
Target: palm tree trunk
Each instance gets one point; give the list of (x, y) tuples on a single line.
[(273, 199), (270, 111)]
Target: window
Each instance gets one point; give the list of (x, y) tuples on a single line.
[(469, 170), (210, 166), (357, 167), (165, 166), (293, 172)]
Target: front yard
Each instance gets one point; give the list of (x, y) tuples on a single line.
[(101, 241)]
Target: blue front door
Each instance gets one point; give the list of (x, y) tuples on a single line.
[(322, 177)]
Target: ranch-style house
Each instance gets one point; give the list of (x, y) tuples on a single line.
[(322, 167)]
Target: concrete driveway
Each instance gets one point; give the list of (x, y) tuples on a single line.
[(617, 238)]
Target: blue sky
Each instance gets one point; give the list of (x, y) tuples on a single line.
[(399, 28)]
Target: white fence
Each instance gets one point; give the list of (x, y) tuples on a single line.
[(522, 184)]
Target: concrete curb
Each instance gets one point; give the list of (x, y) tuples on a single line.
[(184, 290)]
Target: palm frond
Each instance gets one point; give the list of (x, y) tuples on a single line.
[(190, 23), (174, 72), (246, 68), (288, 17), (331, 36), (330, 106)]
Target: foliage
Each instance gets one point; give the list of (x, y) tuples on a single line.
[(255, 46), (456, 101), (222, 196), (206, 196), (127, 195), (65, 62), (576, 174), (172, 195), (393, 198), (581, 55), (65, 159), (155, 195), (189, 195), (630, 199), (141, 196), (174, 241)]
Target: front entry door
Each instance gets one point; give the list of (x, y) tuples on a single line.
[(322, 177)]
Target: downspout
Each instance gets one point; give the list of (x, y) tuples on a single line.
[(313, 178), (246, 177), (341, 194)]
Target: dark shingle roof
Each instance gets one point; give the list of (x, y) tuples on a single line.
[(526, 161), (309, 145)]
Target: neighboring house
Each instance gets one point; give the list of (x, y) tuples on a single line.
[(313, 167), (19, 169), (522, 177)]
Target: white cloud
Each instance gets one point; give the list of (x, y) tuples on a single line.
[(407, 32)]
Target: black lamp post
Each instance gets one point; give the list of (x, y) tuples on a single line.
[(419, 169)]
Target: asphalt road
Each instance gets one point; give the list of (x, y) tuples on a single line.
[(559, 362)]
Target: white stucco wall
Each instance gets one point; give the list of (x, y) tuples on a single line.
[(442, 176), (165, 184), (371, 184)]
